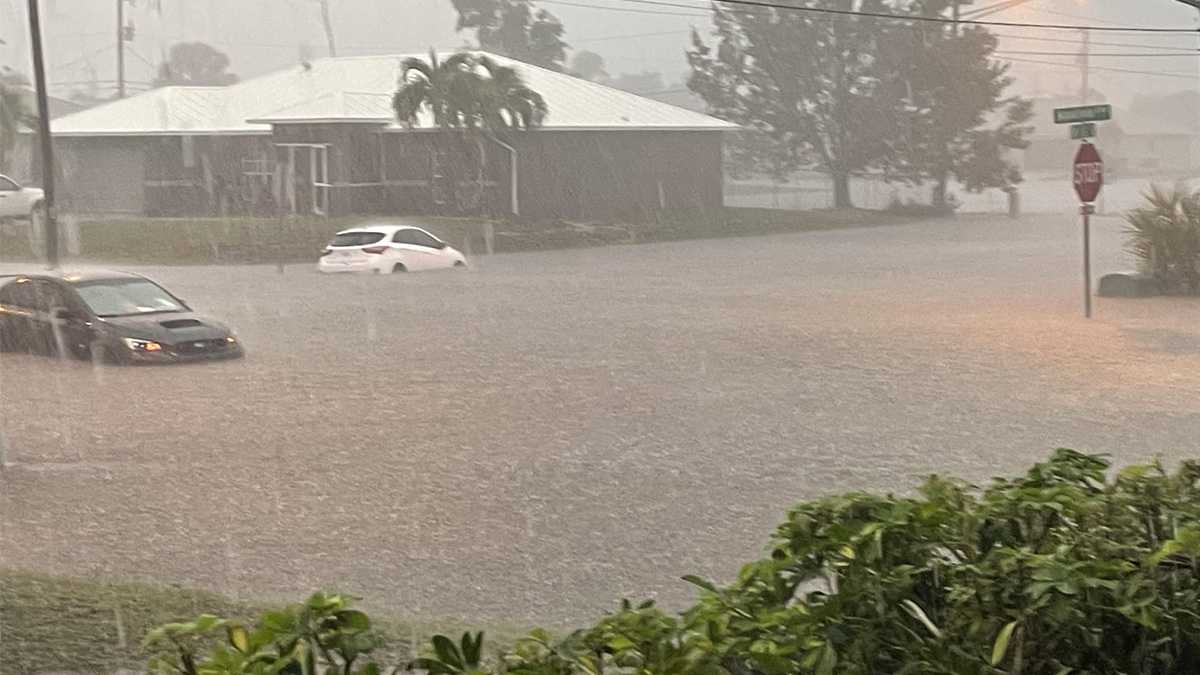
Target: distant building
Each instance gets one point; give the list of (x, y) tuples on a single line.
[(321, 138)]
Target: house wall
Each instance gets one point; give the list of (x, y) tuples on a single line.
[(585, 175), (99, 175), (568, 174), (157, 176)]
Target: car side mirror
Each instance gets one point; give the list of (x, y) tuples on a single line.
[(64, 314), (441, 244)]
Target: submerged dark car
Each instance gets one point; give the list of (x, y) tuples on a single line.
[(114, 317)]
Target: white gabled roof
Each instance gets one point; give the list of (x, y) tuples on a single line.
[(357, 89)]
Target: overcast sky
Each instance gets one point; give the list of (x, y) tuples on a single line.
[(262, 35)]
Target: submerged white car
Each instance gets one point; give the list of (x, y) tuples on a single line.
[(387, 249)]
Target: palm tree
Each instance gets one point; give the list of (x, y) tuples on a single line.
[(16, 111), (470, 98)]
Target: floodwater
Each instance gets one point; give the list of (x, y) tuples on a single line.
[(538, 437)]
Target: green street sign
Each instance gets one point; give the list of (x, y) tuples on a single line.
[(1083, 113), (1085, 130)]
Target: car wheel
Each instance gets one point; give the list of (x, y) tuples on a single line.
[(399, 268), (460, 265)]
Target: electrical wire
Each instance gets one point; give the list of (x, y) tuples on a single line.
[(627, 10), (1194, 52), (766, 4), (1126, 71), (1065, 41)]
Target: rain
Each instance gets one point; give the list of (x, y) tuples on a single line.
[(641, 318)]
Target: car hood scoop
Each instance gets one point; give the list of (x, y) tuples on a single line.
[(180, 323), (173, 330)]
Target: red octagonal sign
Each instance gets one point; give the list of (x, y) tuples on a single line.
[(1089, 173)]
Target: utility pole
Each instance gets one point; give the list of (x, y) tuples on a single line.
[(327, 23), (1085, 66), (39, 79), (120, 48)]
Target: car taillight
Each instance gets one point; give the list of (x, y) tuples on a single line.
[(375, 249), (325, 252)]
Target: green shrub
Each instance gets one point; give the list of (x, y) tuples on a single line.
[(1064, 571), (1164, 235)]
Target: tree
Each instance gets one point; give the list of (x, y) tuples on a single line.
[(516, 29), (589, 66), (811, 81), (195, 64), (958, 121), (470, 98), (17, 110)]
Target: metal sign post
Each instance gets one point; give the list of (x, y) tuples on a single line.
[(1088, 179), (1086, 210)]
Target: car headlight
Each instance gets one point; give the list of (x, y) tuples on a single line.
[(142, 345)]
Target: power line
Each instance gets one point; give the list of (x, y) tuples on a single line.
[(1066, 41), (1194, 52), (1072, 66), (627, 10), (765, 4)]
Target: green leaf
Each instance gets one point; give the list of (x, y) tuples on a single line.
[(828, 660), (472, 648), (447, 652), (919, 614), (1000, 647), (702, 583), (354, 620), (239, 638), (431, 666), (207, 622)]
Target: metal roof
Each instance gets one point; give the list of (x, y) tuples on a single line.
[(358, 89)]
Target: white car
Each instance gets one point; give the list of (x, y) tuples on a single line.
[(16, 202), (387, 249)]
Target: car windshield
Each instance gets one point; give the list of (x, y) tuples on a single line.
[(121, 297), (356, 238)]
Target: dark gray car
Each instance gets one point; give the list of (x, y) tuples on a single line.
[(116, 317)]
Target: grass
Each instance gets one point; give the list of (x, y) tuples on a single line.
[(51, 624), (183, 241)]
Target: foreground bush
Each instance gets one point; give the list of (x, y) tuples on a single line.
[(1065, 571), (1164, 235)]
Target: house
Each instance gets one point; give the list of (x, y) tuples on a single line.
[(321, 138)]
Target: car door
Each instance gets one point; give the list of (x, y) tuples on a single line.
[(16, 306), (12, 202), (410, 251), (70, 322), (432, 250), (22, 313), (47, 298)]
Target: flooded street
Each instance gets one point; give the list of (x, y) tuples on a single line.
[(534, 438)]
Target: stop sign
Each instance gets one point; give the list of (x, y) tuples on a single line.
[(1089, 173)]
